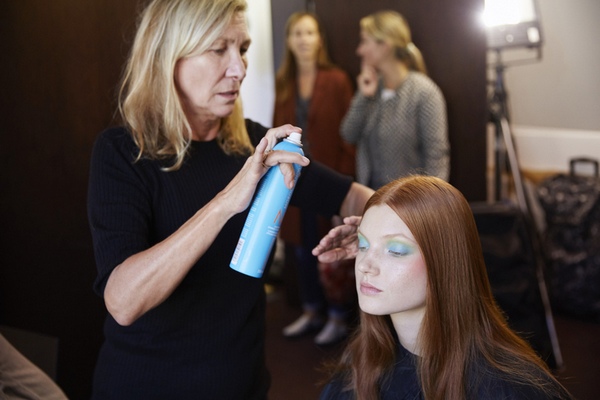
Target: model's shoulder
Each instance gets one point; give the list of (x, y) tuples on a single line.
[(335, 390), (491, 384), (500, 390)]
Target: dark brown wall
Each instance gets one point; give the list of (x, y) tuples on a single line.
[(280, 11), (454, 49), (59, 63)]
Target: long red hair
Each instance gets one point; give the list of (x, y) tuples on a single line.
[(462, 322)]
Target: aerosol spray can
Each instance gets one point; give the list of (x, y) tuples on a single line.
[(266, 213)]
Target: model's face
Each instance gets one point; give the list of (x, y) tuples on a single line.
[(391, 276), (209, 82), (304, 40), (371, 51)]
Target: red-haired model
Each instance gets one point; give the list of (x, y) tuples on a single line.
[(429, 328)]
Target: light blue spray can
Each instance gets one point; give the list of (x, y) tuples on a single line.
[(266, 213)]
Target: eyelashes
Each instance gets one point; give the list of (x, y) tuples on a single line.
[(363, 244), (399, 248), (394, 247)]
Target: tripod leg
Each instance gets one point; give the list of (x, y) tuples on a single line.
[(534, 237)]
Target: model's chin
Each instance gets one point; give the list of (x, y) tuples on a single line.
[(369, 308), (369, 304)]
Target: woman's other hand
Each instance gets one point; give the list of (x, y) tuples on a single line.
[(340, 243)]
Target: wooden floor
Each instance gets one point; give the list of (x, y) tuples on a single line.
[(294, 364)]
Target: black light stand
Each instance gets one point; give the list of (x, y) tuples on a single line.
[(498, 110), (505, 148)]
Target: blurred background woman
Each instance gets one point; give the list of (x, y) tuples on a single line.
[(397, 118), (314, 94)]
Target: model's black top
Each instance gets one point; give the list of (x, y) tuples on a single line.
[(484, 384)]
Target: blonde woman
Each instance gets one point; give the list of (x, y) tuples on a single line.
[(168, 196), (397, 118), (314, 94)]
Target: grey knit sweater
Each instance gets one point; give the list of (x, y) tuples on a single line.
[(403, 133)]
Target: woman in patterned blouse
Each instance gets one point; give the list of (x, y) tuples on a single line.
[(397, 118)]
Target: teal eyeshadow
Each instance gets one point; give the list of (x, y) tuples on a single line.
[(399, 247), (362, 242)]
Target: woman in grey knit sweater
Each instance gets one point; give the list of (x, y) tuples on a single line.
[(397, 118)]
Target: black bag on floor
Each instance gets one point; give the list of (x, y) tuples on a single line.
[(510, 261), (571, 204)]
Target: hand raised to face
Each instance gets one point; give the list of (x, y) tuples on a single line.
[(367, 80)]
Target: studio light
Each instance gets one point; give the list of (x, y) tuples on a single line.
[(512, 23)]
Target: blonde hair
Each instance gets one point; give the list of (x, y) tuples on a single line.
[(286, 74), (169, 30), (392, 28)]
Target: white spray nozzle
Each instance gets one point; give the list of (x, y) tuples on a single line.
[(295, 137)]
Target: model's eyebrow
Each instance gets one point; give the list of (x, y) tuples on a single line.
[(390, 236)]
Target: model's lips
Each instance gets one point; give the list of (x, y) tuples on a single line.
[(368, 289)]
